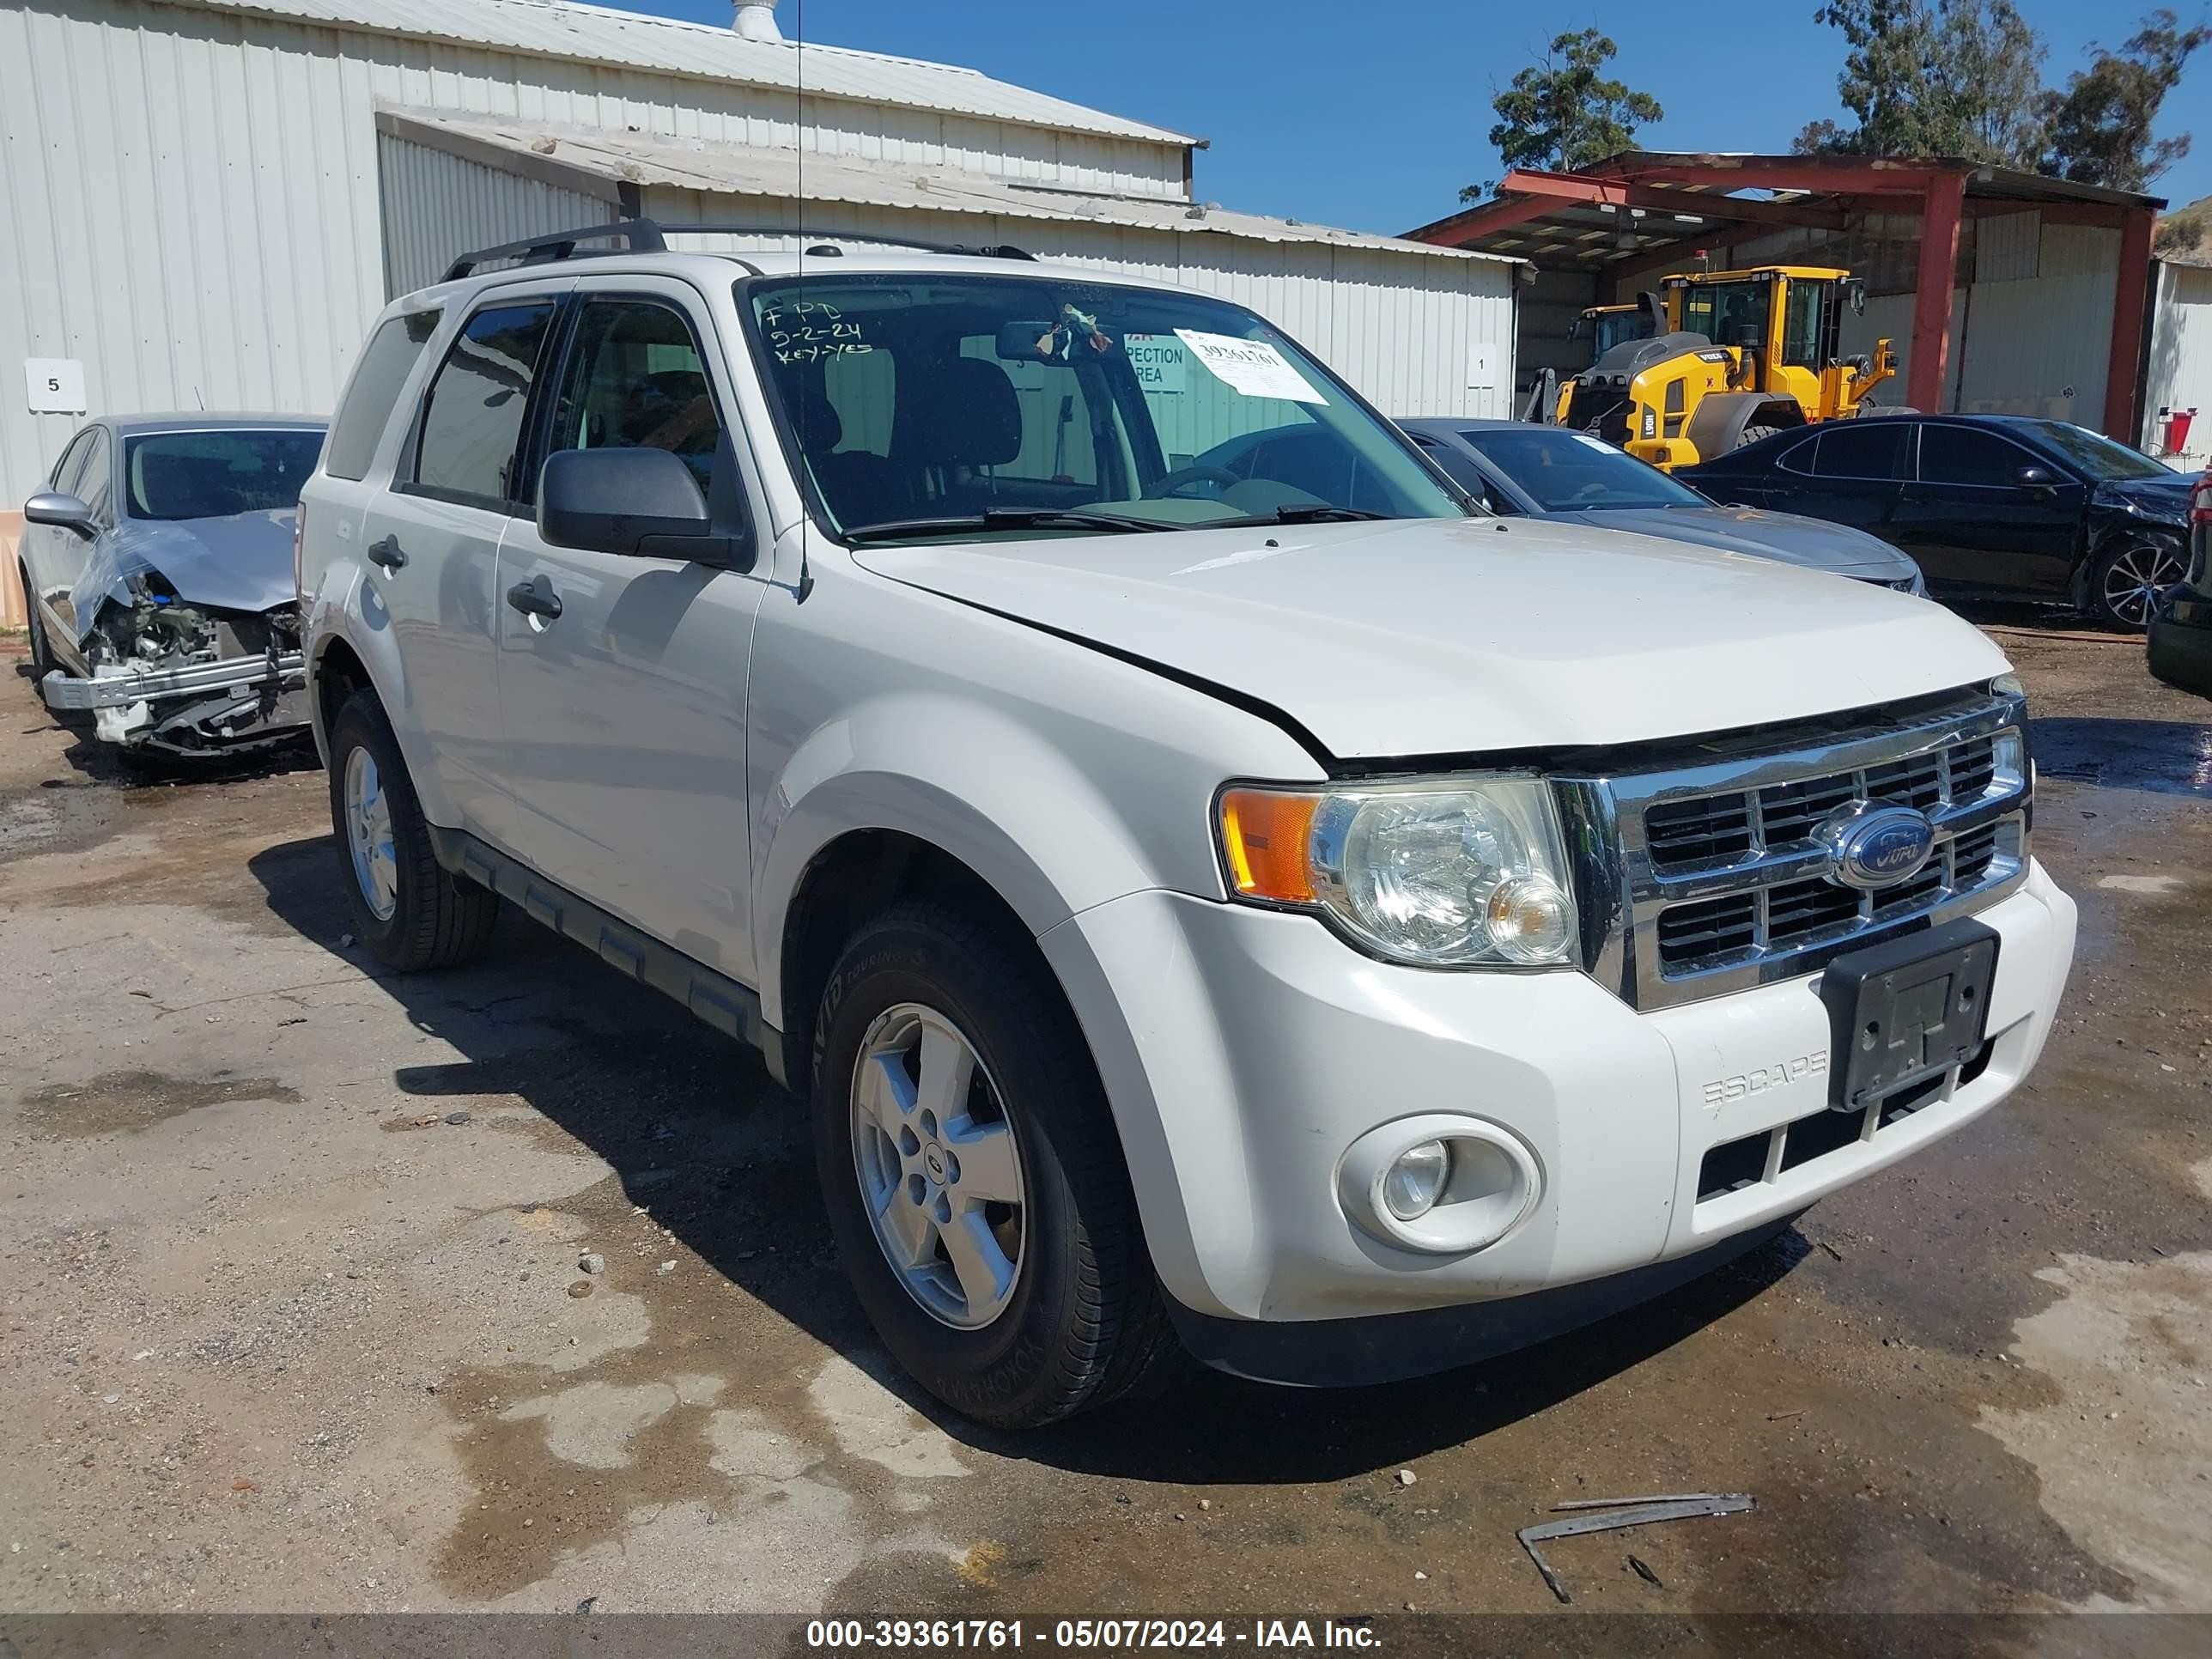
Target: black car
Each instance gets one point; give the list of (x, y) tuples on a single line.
[(2181, 632), (1999, 504)]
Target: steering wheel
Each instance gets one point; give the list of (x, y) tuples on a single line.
[(1183, 477)]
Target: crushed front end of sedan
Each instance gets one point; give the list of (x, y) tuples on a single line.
[(181, 633)]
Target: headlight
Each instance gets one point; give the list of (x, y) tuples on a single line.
[(1465, 873)]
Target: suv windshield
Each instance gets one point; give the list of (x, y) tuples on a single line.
[(2101, 458), (217, 475), (1573, 472), (937, 405)]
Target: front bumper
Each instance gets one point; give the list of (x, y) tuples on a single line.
[(1243, 1051), (2180, 645), (202, 708)]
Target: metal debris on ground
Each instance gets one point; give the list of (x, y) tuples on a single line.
[(1611, 1514), (1638, 1566)]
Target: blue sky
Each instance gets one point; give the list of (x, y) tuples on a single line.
[(1371, 116)]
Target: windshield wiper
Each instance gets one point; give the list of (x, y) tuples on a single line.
[(998, 518), (1321, 512)]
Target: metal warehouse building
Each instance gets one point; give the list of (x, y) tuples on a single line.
[(208, 199)]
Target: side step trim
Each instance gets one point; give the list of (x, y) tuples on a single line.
[(731, 1008)]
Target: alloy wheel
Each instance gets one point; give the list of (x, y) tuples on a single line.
[(2137, 578), (941, 1176), (368, 835)]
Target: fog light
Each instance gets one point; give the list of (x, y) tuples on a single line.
[(1417, 1179), (1529, 919)]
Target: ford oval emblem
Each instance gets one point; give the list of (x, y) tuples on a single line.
[(1876, 847)]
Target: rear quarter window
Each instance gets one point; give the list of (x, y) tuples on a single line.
[(385, 363)]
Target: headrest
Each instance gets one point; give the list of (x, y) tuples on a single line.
[(820, 428), (964, 413)]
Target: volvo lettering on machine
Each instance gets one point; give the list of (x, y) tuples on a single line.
[(1214, 891)]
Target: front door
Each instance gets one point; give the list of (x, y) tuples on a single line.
[(625, 714), (431, 549), (1973, 524), (54, 558)]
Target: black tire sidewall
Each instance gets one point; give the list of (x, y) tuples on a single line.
[(42, 659), (997, 1372)]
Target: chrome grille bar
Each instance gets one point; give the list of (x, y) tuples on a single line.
[(1795, 916)]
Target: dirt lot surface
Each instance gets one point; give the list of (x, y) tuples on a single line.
[(294, 1319)]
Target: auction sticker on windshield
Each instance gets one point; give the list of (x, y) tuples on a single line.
[(1252, 367)]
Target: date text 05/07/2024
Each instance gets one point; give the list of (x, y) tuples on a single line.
[(931, 1635)]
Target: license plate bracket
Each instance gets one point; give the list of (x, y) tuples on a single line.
[(1907, 1010)]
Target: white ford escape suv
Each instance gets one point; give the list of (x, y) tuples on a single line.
[(1210, 892)]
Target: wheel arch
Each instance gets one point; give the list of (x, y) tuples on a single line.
[(1716, 425)]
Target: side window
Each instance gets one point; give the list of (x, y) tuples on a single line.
[(1965, 455), (1464, 473), (1801, 324), (69, 471), (1798, 457), (472, 418), (634, 379), (97, 484), (385, 363), (1851, 450)]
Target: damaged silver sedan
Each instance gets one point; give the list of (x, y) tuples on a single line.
[(157, 563)]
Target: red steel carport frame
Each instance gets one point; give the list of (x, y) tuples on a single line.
[(1832, 185)]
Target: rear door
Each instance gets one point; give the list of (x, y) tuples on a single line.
[(625, 714), (1776, 476), (1859, 472), (1973, 524), (431, 548)]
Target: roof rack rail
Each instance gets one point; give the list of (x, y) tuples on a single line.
[(826, 240), (650, 236), (642, 236)]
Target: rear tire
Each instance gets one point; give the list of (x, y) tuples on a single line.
[(1071, 1315), (408, 910), (1752, 434)]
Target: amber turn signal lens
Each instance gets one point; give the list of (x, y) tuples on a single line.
[(1266, 834)]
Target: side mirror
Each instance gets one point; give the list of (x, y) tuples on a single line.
[(2039, 478), (638, 503), (1854, 293), (62, 512)]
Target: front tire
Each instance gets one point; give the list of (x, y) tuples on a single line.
[(1752, 434), (42, 655), (973, 1175), (2128, 579), (410, 914)]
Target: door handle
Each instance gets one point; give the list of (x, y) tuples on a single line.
[(387, 553), (535, 597)]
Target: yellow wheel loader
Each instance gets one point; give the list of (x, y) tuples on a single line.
[(1732, 356)]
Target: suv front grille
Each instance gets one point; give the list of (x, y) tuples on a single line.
[(1726, 881)]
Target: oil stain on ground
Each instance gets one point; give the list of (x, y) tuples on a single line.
[(123, 1102)]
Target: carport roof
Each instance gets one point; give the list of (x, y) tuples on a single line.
[(597, 161), (1642, 204)]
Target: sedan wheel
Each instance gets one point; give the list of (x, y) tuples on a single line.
[(2128, 582)]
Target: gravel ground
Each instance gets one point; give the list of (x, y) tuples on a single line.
[(294, 1321)]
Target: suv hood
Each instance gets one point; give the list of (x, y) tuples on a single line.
[(1444, 636), (1813, 543)]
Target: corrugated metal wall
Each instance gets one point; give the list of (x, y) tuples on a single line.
[(192, 197), (437, 205), (2180, 374), (1417, 333)]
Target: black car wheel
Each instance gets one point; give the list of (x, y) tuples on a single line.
[(42, 656), (2129, 579), (974, 1178), (412, 913), (1752, 434)]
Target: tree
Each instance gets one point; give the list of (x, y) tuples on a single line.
[(2100, 125), (1960, 77), (1561, 113)]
